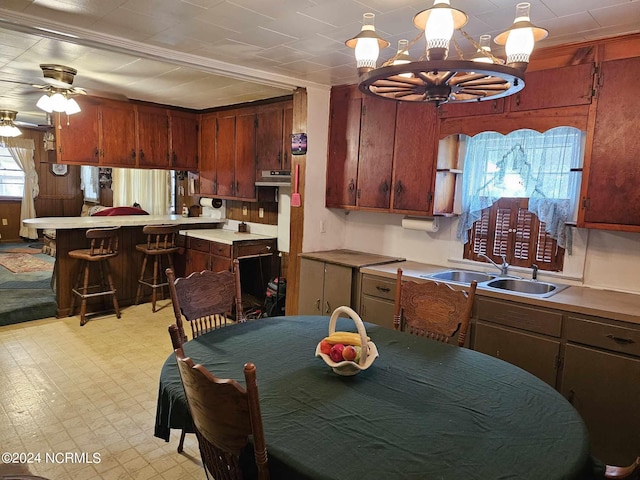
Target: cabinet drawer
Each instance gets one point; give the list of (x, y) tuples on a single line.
[(220, 249), (379, 287), (597, 334), (539, 320), (198, 244), (256, 249), (375, 310)]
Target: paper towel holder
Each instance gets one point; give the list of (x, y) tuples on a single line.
[(429, 225)]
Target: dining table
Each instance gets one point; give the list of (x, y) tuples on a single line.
[(422, 410)]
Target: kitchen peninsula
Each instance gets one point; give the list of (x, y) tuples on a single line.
[(125, 268)]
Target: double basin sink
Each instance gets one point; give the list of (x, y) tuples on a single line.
[(508, 284)]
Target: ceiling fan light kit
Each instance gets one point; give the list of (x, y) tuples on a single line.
[(436, 78), (58, 94), (7, 127)]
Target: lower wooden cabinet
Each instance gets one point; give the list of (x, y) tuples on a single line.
[(377, 300)]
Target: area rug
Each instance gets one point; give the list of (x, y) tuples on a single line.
[(28, 250), (21, 263)]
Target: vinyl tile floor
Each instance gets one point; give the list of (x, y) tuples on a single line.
[(92, 390)]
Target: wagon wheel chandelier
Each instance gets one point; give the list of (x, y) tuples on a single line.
[(434, 78)]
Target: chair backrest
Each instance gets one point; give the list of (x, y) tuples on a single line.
[(177, 337), (631, 472), (206, 299), (224, 415), (161, 237), (433, 310), (104, 241)]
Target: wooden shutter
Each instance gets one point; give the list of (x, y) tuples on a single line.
[(508, 228)]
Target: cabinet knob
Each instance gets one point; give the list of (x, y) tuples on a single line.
[(96, 152), (328, 308), (352, 186), (133, 153), (141, 154), (385, 187), (399, 187)]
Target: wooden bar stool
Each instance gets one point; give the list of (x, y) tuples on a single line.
[(104, 245), (161, 242)]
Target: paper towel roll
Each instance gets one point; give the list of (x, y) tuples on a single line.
[(206, 202), (424, 225)]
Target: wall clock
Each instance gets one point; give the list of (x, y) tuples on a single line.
[(59, 169)]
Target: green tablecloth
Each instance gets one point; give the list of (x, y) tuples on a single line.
[(422, 410)]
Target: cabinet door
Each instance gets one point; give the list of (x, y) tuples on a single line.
[(245, 164), (557, 87), (488, 107), (225, 154), (77, 136), (118, 135), (153, 137), (612, 194), (269, 141), (337, 287), (184, 140), (311, 287), (207, 161), (603, 387), (536, 354), (376, 153), (413, 158), (197, 261), (344, 142), (378, 311), (287, 130)]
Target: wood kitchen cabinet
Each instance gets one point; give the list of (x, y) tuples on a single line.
[(153, 137), (324, 286), (610, 195), (183, 128), (377, 300), (78, 136), (414, 156), (600, 376), (228, 152), (274, 124), (522, 335), (344, 144), (118, 134)]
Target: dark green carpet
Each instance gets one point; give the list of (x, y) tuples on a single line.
[(25, 296)]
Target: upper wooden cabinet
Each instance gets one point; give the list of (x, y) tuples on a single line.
[(414, 156), (489, 107), (274, 124), (344, 144), (123, 134), (228, 154), (118, 134), (183, 127), (153, 136), (557, 87), (78, 136), (611, 198)]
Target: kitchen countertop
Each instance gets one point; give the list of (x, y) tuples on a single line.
[(228, 237), (70, 223), (584, 300), (350, 258)]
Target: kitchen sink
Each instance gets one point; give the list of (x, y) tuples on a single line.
[(528, 288), (461, 276)]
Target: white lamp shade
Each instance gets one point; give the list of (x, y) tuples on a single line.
[(367, 51), (72, 107), (9, 131), (440, 27), (45, 103), (58, 102), (519, 45)]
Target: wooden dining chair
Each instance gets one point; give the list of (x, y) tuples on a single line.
[(433, 310), (631, 472), (206, 299), (224, 415)]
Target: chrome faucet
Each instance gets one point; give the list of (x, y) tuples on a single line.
[(534, 272), (504, 268)]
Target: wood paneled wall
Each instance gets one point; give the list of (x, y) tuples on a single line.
[(60, 196), (250, 212)]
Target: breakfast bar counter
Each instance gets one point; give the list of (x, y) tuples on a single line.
[(125, 268)]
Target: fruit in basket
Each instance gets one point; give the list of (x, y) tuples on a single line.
[(345, 338), (349, 353), (325, 347), (336, 352)]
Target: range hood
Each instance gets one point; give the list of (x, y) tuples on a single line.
[(274, 178)]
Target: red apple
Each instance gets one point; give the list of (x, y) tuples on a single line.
[(336, 352), (325, 347), (349, 353)]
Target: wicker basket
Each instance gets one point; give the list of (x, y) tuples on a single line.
[(368, 352)]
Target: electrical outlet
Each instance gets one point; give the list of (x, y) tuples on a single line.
[(245, 211), (261, 212), (5, 221)]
